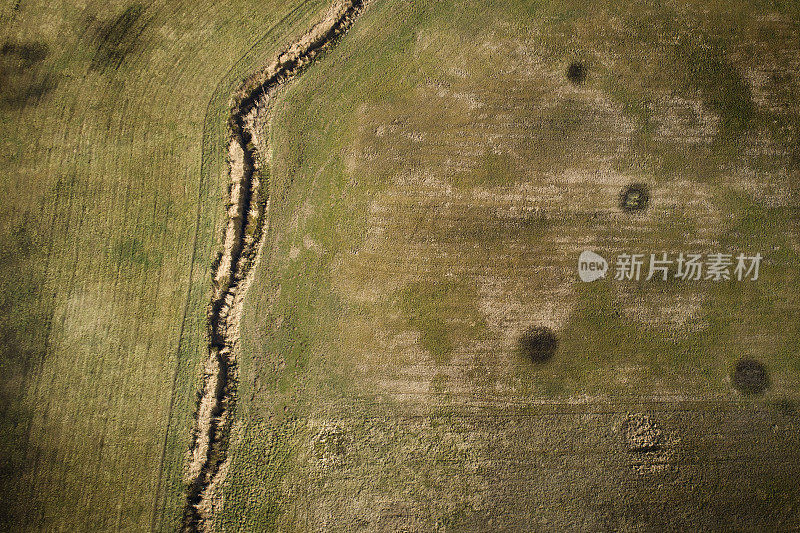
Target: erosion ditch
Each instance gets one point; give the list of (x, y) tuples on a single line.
[(232, 271)]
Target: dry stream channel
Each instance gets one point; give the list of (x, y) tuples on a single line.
[(248, 152)]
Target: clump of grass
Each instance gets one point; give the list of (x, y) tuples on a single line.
[(539, 344), (576, 72), (750, 376), (634, 197)]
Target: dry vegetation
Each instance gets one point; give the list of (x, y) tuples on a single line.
[(431, 180), (434, 179)]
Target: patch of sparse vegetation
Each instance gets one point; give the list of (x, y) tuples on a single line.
[(641, 433)]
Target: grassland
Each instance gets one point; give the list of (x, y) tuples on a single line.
[(434, 179), (108, 232)]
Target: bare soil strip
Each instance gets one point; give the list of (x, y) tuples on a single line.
[(248, 153)]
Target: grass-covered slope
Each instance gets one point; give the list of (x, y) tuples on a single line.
[(434, 179)]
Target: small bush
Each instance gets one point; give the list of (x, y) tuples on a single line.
[(538, 344)]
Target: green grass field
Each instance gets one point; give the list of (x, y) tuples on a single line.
[(434, 177), (108, 231)]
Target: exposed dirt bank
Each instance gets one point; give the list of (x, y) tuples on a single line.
[(248, 153)]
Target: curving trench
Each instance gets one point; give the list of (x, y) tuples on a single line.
[(248, 153)]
